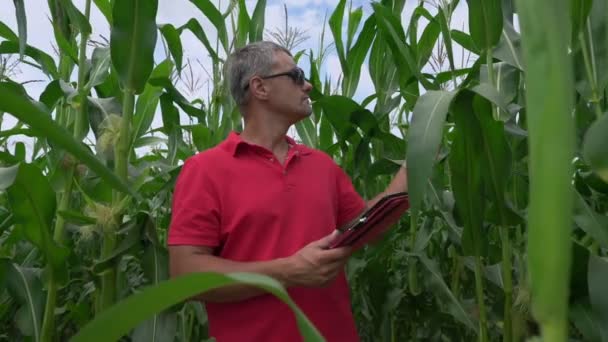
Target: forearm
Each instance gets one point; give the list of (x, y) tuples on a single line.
[(208, 263)]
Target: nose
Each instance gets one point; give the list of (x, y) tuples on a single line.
[(307, 86)]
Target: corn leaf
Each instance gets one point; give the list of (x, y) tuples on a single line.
[(21, 26), (105, 7), (485, 22), (214, 15), (25, 286), (466, 166), (357, 54), (199, 33), (597, 279), (32, 202), (172, 37), (7, 33), (132, 42), (153, 299), (147, 102), (424, 140), (594, 147), (46, 62), (242, 27), (16, 102), (256, 26)]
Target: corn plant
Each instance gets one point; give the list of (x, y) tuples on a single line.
[(501, 124)]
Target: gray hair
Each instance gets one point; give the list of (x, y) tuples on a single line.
[(246, 62)]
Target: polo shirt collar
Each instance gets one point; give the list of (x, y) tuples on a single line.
[(234, 141)]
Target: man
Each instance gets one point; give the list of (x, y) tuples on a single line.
[(259, 202)]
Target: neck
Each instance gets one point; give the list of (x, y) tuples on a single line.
[(267, 133)]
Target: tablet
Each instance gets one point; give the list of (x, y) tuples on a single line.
[(373, 221)]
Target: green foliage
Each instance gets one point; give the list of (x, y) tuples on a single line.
[(502, 131)]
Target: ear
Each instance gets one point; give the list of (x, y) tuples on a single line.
[(258, 89)]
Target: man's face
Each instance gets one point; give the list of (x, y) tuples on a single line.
[(286, 95)]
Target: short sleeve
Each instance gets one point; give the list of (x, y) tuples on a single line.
[(350, 203), (195, 217)]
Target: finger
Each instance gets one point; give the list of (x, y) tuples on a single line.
[(336, 255), (327, 240)]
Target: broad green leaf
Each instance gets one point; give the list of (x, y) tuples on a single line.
[(99, 69), (25, 286), (147, 102), (455, 308), (46, 62), (496, 159), (214, 15), (466, 173), (105, 7), (7, 176), (16, 102), (132, 240), (354, 19), (335, 24), (549, 75), (132, 42), (465, 41), (99, 109), (76, 217), (338, 110), (424, 141), (256, 26), (579, 13), (597, 279), (392, 31), (357, 54), (201, 137), (32, 202), (509, 47), (162, 326), (178, 98), (507, 83), (69, 48), (447, 36), (51, 94), (386, 76), (153, 299), (21, 25), (584, 319), (427, 42), (594, 147), (77, 18), (7, 33), (593, 223), (199, 33), (308, 133), (485, 22), (170, 114), (491, 94), (242, 26), (171, 35)]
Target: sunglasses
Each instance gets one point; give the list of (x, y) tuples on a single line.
[(296, 74)]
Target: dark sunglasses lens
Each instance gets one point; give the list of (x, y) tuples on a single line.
[(297, 75)]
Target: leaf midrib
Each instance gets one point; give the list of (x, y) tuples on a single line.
[(30, 302), (132, 55)]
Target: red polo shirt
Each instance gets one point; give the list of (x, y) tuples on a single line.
[(238, 198)]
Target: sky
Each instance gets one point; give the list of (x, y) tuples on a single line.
[(306, 15)]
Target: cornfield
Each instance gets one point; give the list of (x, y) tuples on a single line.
[(506, 238)]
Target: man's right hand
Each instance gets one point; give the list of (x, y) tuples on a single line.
[(315, 265)]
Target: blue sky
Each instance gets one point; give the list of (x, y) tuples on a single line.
[(307, 15)]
